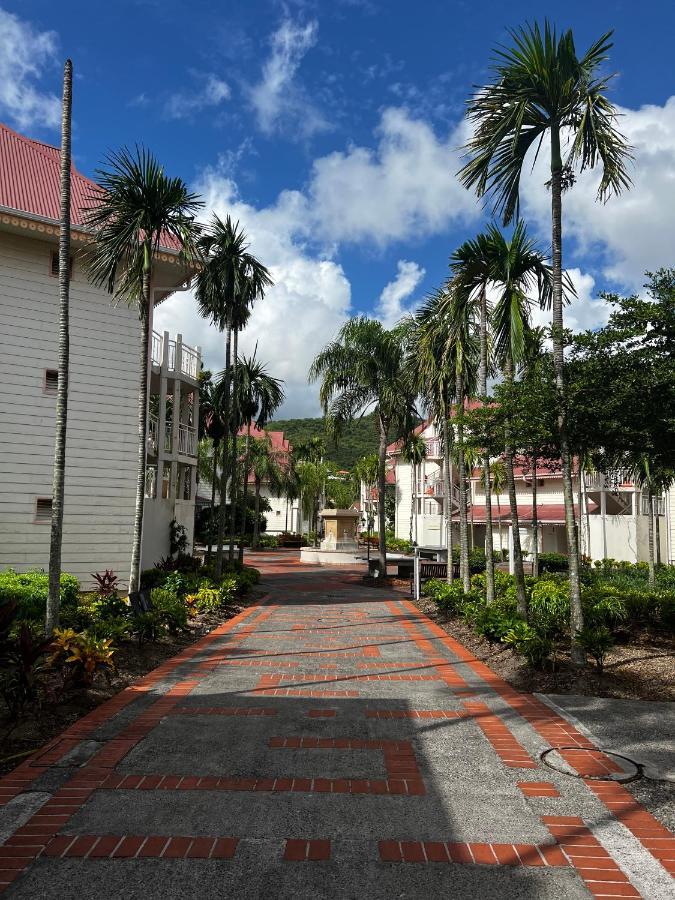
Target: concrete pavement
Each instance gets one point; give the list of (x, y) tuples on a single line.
[(330, 741)]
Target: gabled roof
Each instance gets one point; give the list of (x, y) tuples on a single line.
[(30, 179), (30, 182)]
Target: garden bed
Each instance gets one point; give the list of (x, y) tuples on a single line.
[(641, 667), (39, 725)]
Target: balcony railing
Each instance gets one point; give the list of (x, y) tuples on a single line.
[(189, 357), (168, 437), (153, 425), (151, 482), (659, 506), (187, 440), (434, 449)]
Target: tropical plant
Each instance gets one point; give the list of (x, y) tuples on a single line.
[(213, 424), (541, 87), (107, 583), (59, 474), (265, 466), (363, 368), (597, 641), (414, 452), (228, 284), (136, 210), (257, 396)]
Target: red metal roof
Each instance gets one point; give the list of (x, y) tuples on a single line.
[(280, 444), (30, 182)]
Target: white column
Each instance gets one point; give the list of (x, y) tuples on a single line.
[(603, 516)]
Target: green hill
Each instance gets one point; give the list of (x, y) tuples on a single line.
[(358, 439)]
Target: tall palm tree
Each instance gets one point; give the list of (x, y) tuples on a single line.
[(414, 452), (213, 423), (257, 396), (365, 472), (264, 464), (518, 270), (363, 368), (541, 87), (471, 265), (228, 284), (497, 485), (137, 209), (59, 476)]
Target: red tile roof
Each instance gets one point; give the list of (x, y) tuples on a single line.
[(30, 182), (280, 444)]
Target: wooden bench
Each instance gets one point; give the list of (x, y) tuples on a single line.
[(429, 570)]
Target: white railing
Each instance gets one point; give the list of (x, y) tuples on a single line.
[(659, 505), (157, 348), (151, 482), (187, 440), (189, 356), (434, 448), (611, 481), (153, 425), (168, 437)]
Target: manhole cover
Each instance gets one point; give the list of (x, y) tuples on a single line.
[(591, 769)]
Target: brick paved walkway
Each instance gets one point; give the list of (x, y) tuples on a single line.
[(328, 742)]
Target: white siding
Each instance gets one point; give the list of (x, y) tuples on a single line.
[(102, 428)]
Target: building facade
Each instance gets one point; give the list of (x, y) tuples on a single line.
[(102, 435), (614, 520)]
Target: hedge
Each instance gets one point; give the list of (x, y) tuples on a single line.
[(29, 591)]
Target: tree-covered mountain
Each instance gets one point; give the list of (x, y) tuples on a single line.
[(358, 439)]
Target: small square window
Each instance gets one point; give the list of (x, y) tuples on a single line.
[(43, 510), (51, 381), (54, 264)]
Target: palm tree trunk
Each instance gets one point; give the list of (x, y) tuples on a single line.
[(521, 596), (657, 532), (381, 488), (135, 570), (535, 521), (214, 478), (464, 571), (59, 475), (412, 497), (234, 428), (589, 550), (499, 514), (222, 513), (256, 525), (652, 573), (578, 656), (482, 390), (447, 478), (244, 488)]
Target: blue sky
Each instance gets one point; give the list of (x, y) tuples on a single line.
[(331, 130)]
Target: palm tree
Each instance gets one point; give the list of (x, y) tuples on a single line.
[(363, 368), (265, 467), (227, 286), (138, 209), (497, 485), (366, 471), (59, 476), (518, 269), (212, 422), (414, 451), (542, 87), (311, 478), (257, 396)]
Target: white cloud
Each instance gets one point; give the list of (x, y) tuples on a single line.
[(405, 188), (183, 104), (309, 302), (24, 54), (584, 311), (633, 232), (280, 103), (390, 308)]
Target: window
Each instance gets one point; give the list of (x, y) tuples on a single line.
[(51, 381), (43, 510), (54, 264)]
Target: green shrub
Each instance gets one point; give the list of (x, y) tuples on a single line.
[(268, 542), (152, 578), (29, 591), (494, 622), (530, 643), (553, 562), (115, 630), (549, 607), (171, 610), (447, 597), (111, 607), (596, 641)]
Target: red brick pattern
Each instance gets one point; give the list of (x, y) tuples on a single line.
[(302, 851), (94, 846), (470, 854), (505, 745), (538, 789), (416, 714), (601, 874), (222, 711)]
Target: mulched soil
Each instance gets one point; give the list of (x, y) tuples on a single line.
[(38, 726), (640, 667)]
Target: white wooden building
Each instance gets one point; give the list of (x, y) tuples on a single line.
[(102, 437), (613, 524)]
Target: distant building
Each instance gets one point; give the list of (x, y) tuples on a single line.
[(102, 437), (611, 511)]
